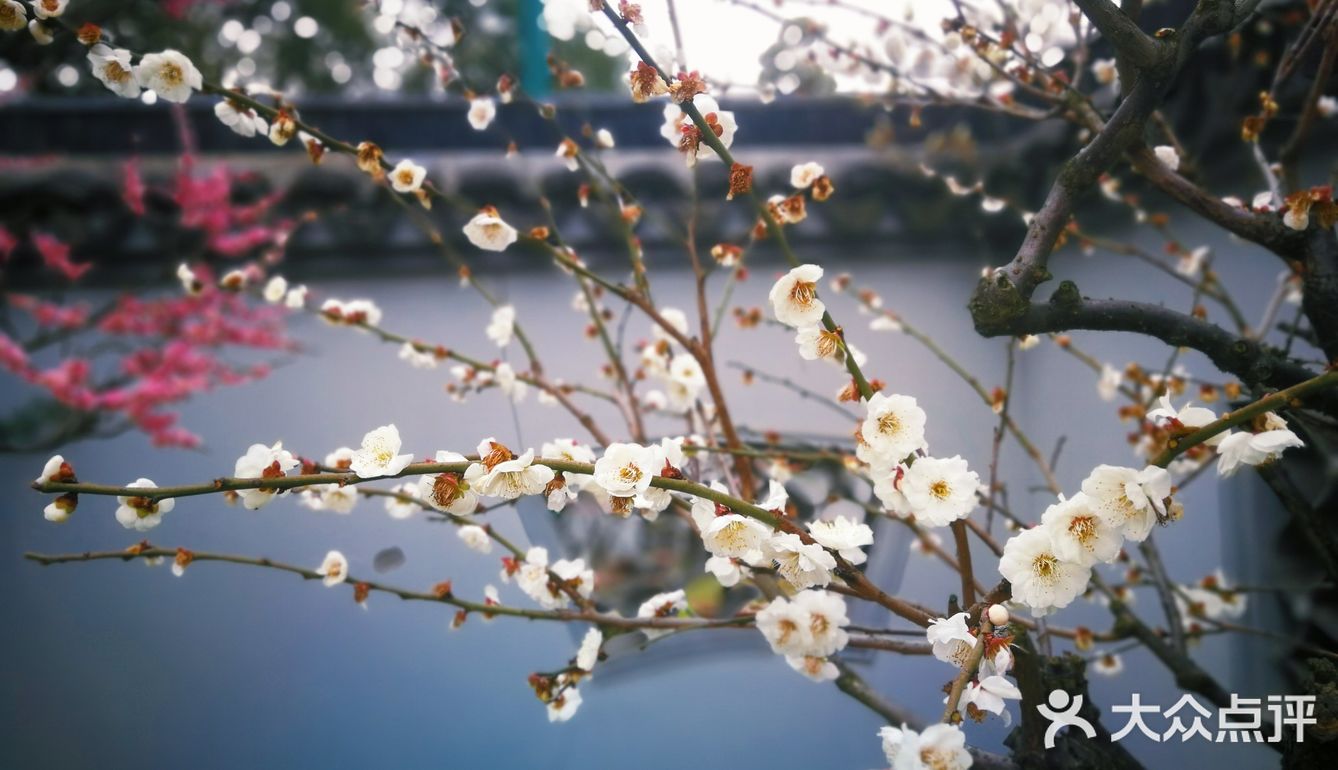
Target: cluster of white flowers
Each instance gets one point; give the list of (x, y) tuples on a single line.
[(807, 630), (334, 498), (548, 584), (952, 642), (679, 130), (1267, 438), (262, 462), (959, 63), (168, 74), (678, 372), (352, 312), (1049, 565), (622, 477), (1213, 598), (891, 441), (938, 746)]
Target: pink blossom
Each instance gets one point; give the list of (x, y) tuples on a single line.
[(56, 255)]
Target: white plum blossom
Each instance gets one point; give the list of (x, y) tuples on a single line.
[(482, 110), (886, 487), (626, 470), (563, 706), (404, 501), (49, 9), (1191, 262), (893, 429), (675, 319), (685, 381), (296, 299), (1108, 664), (502, 325), (55, 469), (786, 627), (354, 311), (379, 454), (817, 669), (190, 283), (142, 513), (940, 491), (736, 536), (588, 654), (169, 74), (58, 511), (803, 565), (1108, 384), (407, 176), (241, 119), (418, 359), (13, 15), (804, 175), (938, 747), (262, 462), (989, 694), (843, 535), (886, 323), (334, 569), (1040, 578), (1131, 500), (340, 459), (826, 622), (1081, 533), (504, 474), (1214, 598), (567, 449), (1246, 448), (235, 279), (1187, 416), (666, 605), (817, 343), (276, 288), (951, 639), (1167, 155), (1104, 71), (534, 579), (509, 384), (488, 231), (113, 68), (794, 298), (475, 538), (335, 498), (679, 130), (728, 572), (42, 33)]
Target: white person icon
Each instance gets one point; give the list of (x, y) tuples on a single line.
[(1062, 711)]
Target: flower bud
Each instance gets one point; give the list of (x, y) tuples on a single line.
[(998, 615)]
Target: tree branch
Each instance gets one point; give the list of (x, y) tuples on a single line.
[(1132, 45), (1254, 363)]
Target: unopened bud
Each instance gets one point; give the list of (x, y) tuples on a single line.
[(998, 615)]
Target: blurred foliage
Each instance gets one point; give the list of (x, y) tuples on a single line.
[(491, 44)]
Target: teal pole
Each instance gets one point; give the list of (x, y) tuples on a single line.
[(534, 76)]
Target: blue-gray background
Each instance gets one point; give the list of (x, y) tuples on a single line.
[(117, 665)]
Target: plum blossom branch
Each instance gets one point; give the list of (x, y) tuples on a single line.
[(1290, 398), (773, 227)]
